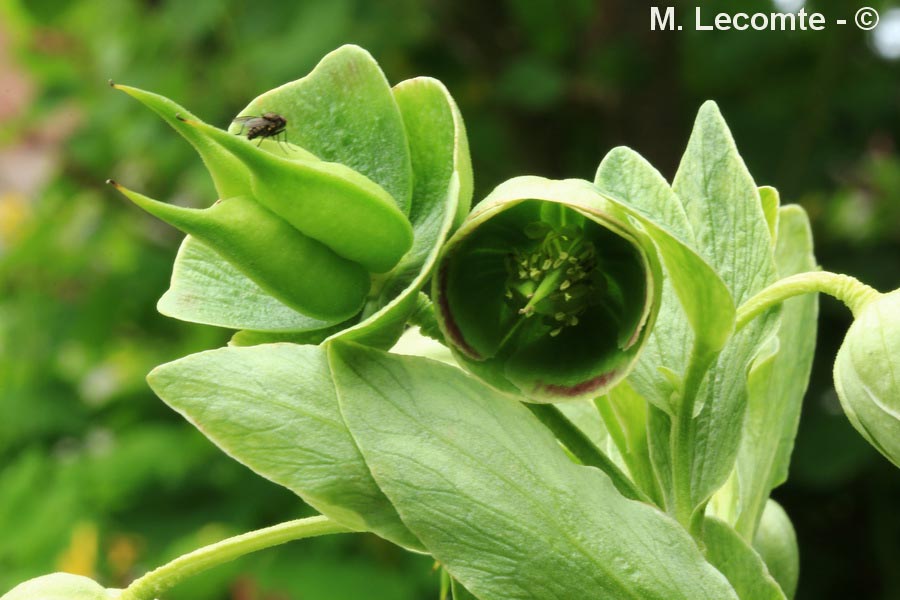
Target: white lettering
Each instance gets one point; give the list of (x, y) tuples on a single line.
[(697, 23), (760, 26), (783, 19), (762, 21), (724, 21), (660, 22), (817, 22)]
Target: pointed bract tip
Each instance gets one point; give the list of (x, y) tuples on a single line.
[(113, 183), (710, 109), (112, 83)]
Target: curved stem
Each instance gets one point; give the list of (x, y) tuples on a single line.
[(852, 292), (159, 580), (585, 450)]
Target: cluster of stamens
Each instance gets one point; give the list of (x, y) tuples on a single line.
[(555, 279)]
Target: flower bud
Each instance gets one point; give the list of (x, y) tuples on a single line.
[(60, 586), (547, 291), (776, 542), (867, 374)]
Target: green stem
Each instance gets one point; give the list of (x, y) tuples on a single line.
[(637, 460), (682, 441), (424, 316), (848, 290), (584, 449), (165, 577)]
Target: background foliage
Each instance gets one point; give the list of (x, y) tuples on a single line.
[(97, 476)]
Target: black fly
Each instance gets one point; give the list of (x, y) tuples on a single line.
[(267, 125)]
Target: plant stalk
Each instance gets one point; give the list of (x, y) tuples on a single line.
[(424, 316), (585, 450), (682, 441), (167, 576), (852, 292)]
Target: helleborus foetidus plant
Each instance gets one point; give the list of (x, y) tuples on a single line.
[(614, 370)]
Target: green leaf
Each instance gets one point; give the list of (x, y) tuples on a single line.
[(459, 592), (635, 181), (777, 382), (724, 208), (695, 303), (771, 202), (273, 408), (743, 567), (495, 499), (443, 190), (776, 543), (343, 112)]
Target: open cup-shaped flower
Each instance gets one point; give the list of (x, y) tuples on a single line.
[(548, 290)]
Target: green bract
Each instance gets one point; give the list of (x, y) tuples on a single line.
[(867, 374), (548, 290), (333, 232), (60, 586)]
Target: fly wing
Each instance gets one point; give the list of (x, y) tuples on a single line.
[(250, 123)]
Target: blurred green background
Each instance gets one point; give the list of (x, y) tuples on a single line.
[(99, 477)]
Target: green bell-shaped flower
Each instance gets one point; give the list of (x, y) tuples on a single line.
[(328, 222), (548, 290), (60, 586), (867, 374)]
